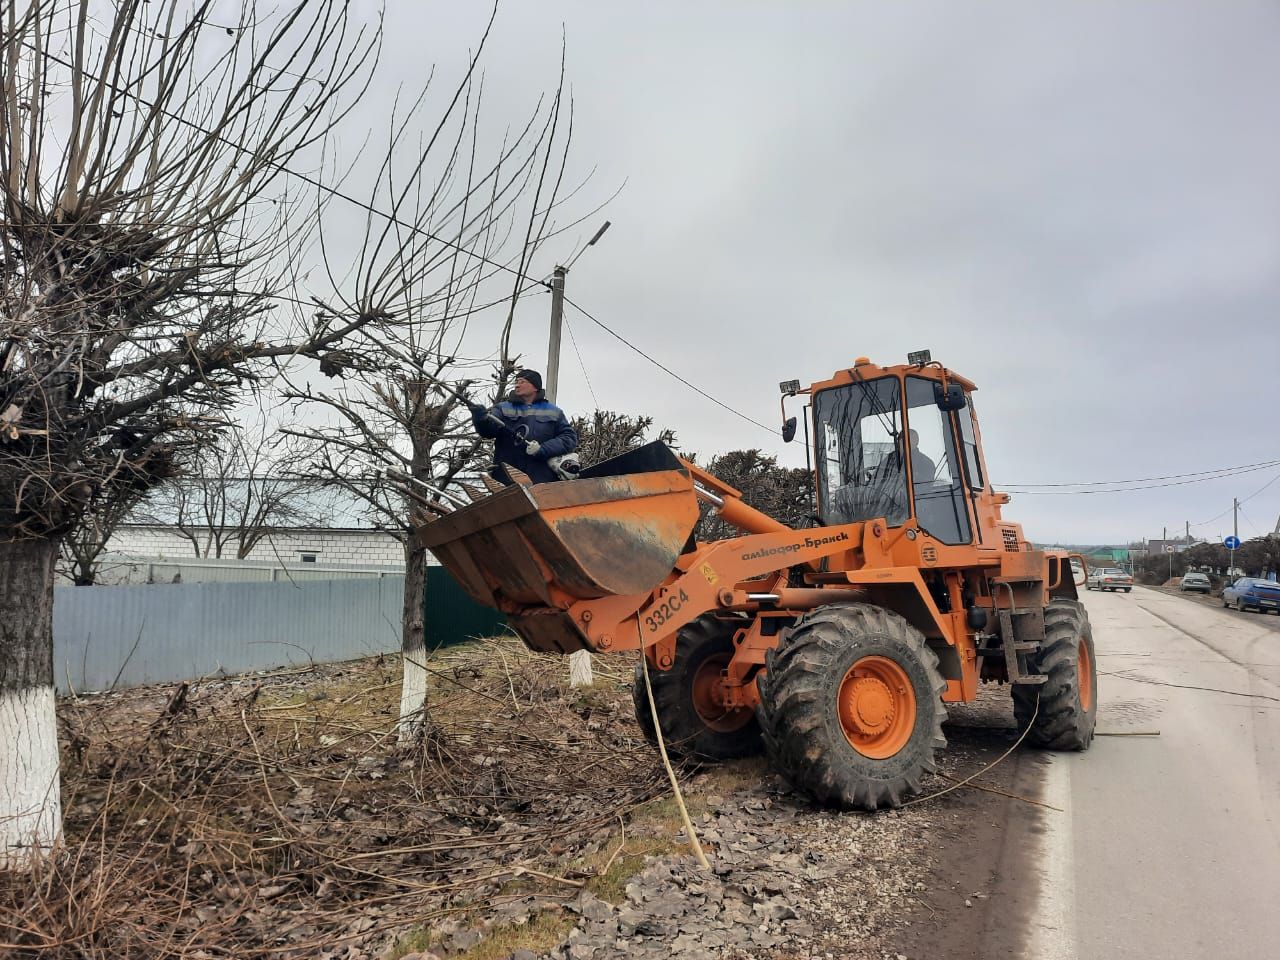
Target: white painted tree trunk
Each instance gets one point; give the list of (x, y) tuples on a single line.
[(580, 669), (30, 793), (413, 693), (30, 798), (413, 647)]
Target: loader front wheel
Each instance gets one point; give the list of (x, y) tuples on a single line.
[(851, 706), (1065, 706), (691, 710)]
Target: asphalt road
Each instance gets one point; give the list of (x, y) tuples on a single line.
[(1169, 845)]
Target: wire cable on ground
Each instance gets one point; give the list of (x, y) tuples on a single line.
[(960, 783), (1125, 675), (671, 774)]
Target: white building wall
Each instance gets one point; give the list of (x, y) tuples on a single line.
[(364, 547)]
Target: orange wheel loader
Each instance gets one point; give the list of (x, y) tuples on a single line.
[(834, 648)]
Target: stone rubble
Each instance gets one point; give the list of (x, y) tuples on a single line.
[(786, 880)]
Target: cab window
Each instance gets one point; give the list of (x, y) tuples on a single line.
[(935, 485)]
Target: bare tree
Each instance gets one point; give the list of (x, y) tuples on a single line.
[(83, 545), (141, 165), (452, 271), (235, 494)]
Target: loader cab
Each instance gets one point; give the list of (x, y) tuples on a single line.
[(886, 446)]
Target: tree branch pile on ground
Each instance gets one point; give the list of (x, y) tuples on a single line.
[(280, 816), (154, 244)]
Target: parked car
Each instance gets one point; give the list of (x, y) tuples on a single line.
[(1109, 578), (1195, 583), (1262, 595)]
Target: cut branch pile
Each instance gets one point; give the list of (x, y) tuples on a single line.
[(279, 817)]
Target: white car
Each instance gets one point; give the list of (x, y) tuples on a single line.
[(1109, 578)]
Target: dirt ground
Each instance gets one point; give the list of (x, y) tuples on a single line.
[(281, 816)]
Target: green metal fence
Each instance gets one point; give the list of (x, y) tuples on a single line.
[(449, 616)]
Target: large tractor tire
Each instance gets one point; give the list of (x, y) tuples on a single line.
[(851, 707), (694, 721), (1068, 700)]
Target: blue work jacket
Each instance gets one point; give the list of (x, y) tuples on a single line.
[(541, 420)]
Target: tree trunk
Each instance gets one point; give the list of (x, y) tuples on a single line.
[(580, 669), (413, 648), (30, 797)]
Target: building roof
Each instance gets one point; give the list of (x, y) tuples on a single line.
[(306, 505)]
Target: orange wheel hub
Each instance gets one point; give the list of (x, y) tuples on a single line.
[(877, 706), (1084, 674), (708, 696)]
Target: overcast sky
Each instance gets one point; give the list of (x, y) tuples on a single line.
[(1075, 205)]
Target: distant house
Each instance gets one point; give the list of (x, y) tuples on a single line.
[(233, 525), (1159, 546), (309, 544)]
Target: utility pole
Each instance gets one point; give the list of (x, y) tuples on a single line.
[(580, 660), (580, 674), (1235, 532), (552, 379)]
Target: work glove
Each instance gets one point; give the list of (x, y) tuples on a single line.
[(566, 467), (476, 409), (532, 448)]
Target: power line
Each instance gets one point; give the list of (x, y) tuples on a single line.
[(665, 369), (305, 178), (1219, 475), (1173, 476), (391, 218), (585, 376), (1201, 523), (1260, 489), (1249, 521)]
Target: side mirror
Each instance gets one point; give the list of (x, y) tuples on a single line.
[(789, 430), (950, 397)]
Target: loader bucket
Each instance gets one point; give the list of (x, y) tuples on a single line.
[(533, 551)]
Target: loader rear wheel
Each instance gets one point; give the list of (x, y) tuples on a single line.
[(1068, 704), (851, 707), (695, 721)]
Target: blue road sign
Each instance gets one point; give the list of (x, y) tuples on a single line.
[(1231, 543)]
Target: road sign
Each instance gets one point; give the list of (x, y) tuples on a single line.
[(1231, 543), (1168, 548)]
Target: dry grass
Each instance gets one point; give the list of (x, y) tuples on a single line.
[(279, 816)]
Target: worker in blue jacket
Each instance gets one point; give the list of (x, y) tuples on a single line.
[(528, 431)]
